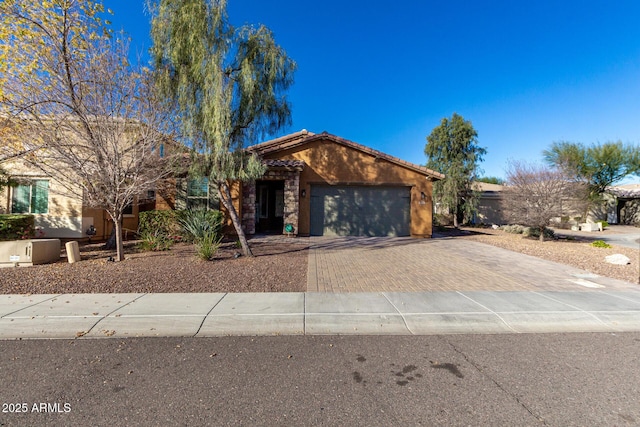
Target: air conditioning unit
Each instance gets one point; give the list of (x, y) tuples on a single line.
[(29, 252)]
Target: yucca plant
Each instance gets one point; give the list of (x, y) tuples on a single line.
[(207, 245)]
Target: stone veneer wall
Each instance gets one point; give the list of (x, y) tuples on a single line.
[(291, 199), (249, 207)]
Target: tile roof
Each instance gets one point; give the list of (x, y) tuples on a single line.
[(304, 137), (276, 163)]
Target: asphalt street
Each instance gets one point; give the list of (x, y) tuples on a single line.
[(507, 379)]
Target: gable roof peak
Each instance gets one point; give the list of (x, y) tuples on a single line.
[(304, 137)]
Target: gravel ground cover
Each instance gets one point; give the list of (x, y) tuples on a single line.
[(571, 248), (279, 265)]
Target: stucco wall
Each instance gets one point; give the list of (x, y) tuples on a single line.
[(328, 162), (64, 216)]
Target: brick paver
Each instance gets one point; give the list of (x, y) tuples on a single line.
[(375, 264)]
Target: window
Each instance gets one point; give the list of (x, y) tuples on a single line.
[(200, 196), (128, 210), (158, 149), (31, 197)]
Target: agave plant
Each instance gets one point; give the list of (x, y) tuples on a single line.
[(198, 224)]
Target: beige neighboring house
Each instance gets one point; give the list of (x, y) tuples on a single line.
[(490, 204), (623, 204), (57, 213), (489, 209)]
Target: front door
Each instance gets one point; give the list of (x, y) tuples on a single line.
[(269, 206)]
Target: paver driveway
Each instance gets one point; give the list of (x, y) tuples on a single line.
[(376, 264)]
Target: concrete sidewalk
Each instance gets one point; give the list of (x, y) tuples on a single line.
[(420, 313)]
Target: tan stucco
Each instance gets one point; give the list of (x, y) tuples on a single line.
[(330, 162), (64, 216)]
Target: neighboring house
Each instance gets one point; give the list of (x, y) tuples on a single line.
[(489, 208), (56, 203), (58, 213), (490, 204), (321, 184), (622, 204)]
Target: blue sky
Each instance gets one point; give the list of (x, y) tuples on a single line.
[(383, 74)]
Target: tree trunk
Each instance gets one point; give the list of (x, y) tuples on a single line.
[(455, 216), (542, 234), (119, 243), (110, 244), (225, 196), (115, 240)]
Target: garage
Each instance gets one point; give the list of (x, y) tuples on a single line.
[(349, 210)]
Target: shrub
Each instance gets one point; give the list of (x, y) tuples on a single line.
[(200, 223), (208, 244), (15, 227), (155, 241), (548, 233), (605, 224), (513, 229), (158, 230), (528, 231), (442, 219), (164, 222), (600, 244)]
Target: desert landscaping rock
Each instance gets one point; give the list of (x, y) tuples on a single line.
[(574, 251), (617, 259), (280, 265)]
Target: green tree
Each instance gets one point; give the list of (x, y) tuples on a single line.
[(491, 180), (452, 149), (227, 85), (599, 165)]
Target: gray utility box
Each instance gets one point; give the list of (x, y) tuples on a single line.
[(29, 252)]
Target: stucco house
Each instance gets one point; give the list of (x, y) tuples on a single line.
[(315, 184), (322, 184), (490, 204), (51, 189), (59, 213), (622, 204)]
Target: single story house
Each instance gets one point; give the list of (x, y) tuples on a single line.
[(322, 184), (622, 204), (325, 185), (490, 203)]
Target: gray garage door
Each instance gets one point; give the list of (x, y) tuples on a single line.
[(360, 211)]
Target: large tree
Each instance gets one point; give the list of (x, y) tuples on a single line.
[(452, 149), (534, 195), (599, 165), (226, 83), (76, 108)]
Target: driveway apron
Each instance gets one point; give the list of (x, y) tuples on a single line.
[(381, 264)]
